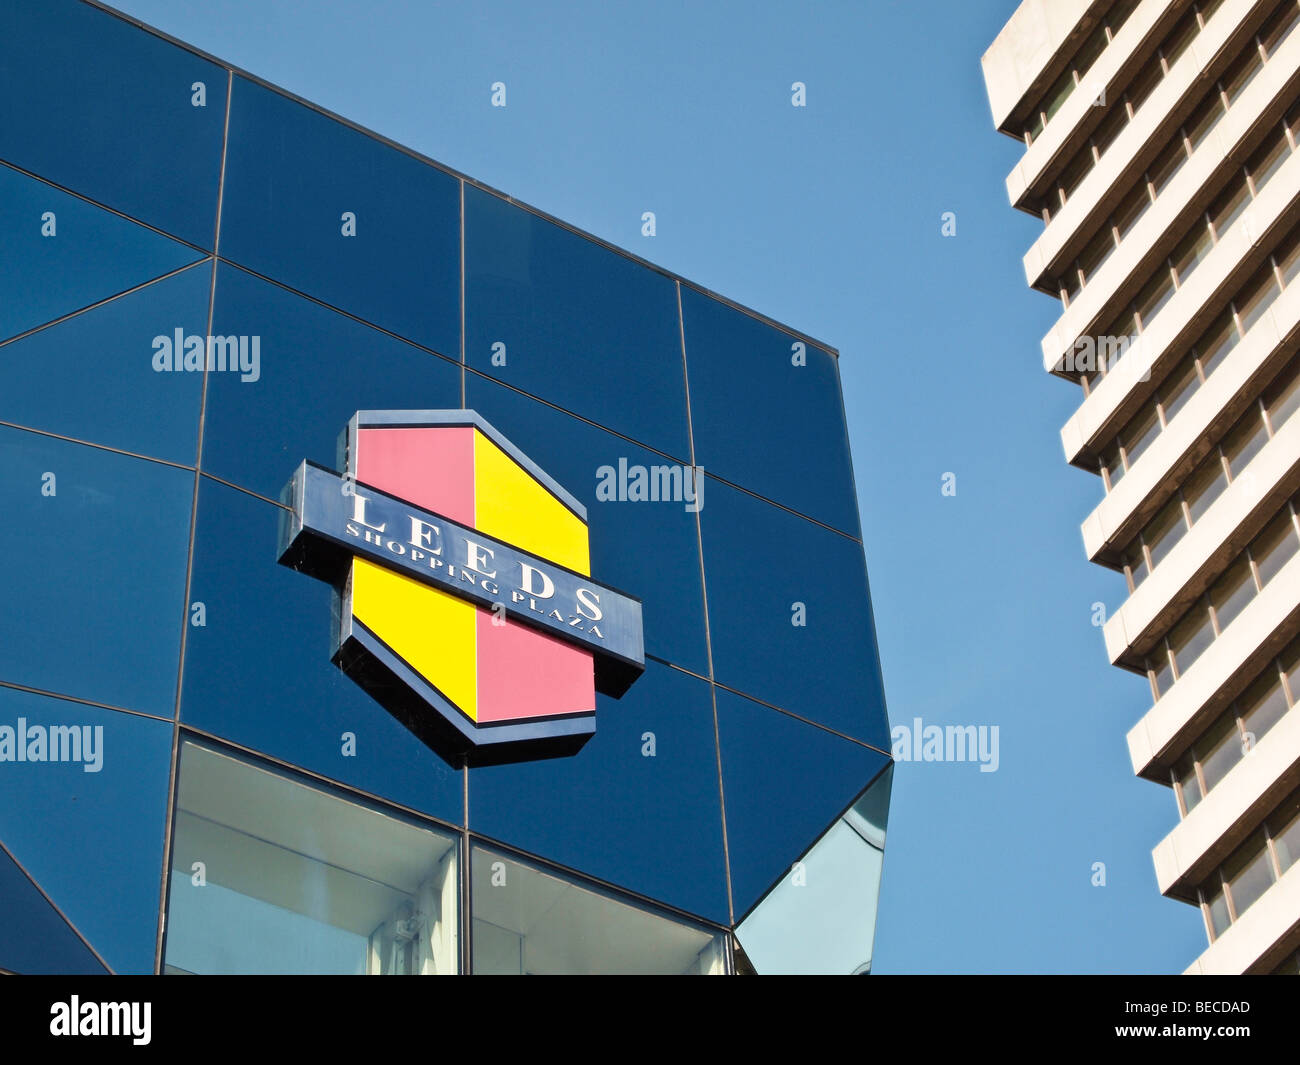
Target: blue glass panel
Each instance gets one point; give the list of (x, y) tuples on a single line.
[(94, 573), (103, 108), (583, 327), (784, 782), (93, 377), (315, 369), (649, 823), (760, 564), (33, 937), (760, 420), (259, 671), (821, 918), (291, 176), (647, 549), (90, 830), (59, 253)]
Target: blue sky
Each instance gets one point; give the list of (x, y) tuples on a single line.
[(828, 218)]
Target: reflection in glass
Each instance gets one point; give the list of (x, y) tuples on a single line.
[(530, 921), (821, 917), (270, 875)]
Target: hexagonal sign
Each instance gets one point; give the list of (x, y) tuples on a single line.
[(465, 601)]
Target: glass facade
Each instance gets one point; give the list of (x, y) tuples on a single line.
[(187, 782)]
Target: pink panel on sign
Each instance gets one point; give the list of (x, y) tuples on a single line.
[(430, 467), (525, 673)]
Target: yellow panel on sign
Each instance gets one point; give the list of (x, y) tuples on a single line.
[(433, 631), (511, 506)]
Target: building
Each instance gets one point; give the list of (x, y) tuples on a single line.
[(1161, 154), (210, 293)]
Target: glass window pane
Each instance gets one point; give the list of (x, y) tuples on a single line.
[(1275, 546), (1241, 73), (825, 922), (1230, 206), (1180, 37), (1090, 50), (1190, 637), (529, 920), (287, 698), (1058, 94), (1268, 159), (1256, 298), (1180, 387), (93, 840), (96, 254), (1249, 874), (1263, 705), (1167, 164), (1204, 118), (1097, 251), (1073, 174), (1231, 592), (107, 351), (34, 938), (1153, 297), (300, 880), (1189, 253), (1218, 340), (1278, 28), (1162, 670), (1165, 530), (817, 776), (1205, 485), (1245, 440), (292, 173), (592, 331), (1283, 396), (1131, 208), (1218, 904), (1219, 750), (1189, 785), (108, 628), (1139, 434), (1288, 258), (827, 671), (89, 101), (1119, 14), (1135, 561), (316, 368), (545, 807), (1291, 668), (1113, 466), (1285, 828), (1110, 127), (761, 422), (1145, 82)]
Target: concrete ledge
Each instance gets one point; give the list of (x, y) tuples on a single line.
[(1177, 450), (1231, 811), (1224, 530), (1021, 54), (1113, 68), (1133, 260), (1145, 135), (1216, 678), (1248, 945), (1134, 379)]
